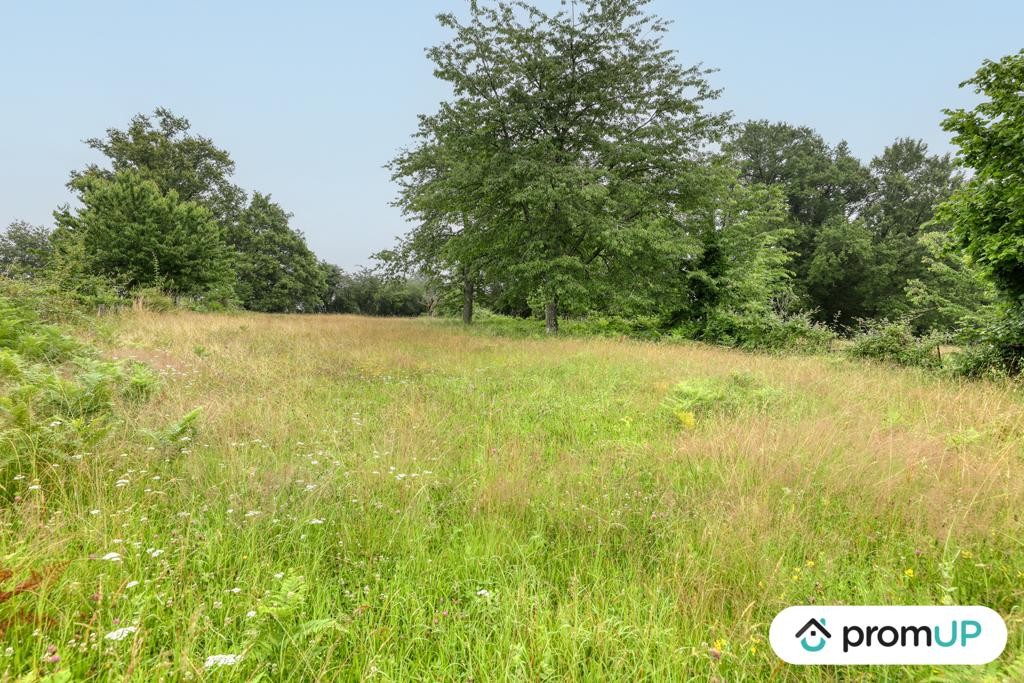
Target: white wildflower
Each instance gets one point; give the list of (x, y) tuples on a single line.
[(112, 557), (121, 633), (213, 661), (316, 521), (131, 584), (484, 593)]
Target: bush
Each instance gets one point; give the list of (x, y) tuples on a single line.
[(152, 299), (995, 348), (764, 331), (57, 397), (695, 399), (895, 342)]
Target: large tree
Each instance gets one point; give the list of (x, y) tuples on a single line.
[(137, 236), (162, 148), (987, 213), (572, 146), (908, 185), (824, 185), (276, 270)]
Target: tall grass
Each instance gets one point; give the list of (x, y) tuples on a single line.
[(340, 498)]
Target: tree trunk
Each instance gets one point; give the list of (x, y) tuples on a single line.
[(467, 301), (551, 316)]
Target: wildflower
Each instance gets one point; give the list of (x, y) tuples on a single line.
[(236, 590), (279, 575), (131, 584), (908, 572), (19, 477), (213, 661), (112, 557), (250, 614), (120, 633), (155, 552), (34, 487), (252, 513), (121, 483), (94, 512), (316, 521), (484, 593), (810, 564)]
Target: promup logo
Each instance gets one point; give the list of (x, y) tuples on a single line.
[(888, 635), (817, 629)]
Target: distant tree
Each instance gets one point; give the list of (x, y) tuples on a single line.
[(162, 149), (25, 250), (572, 143), (276, 270), (367, 293), (908, 186), (843, 271), (987, 213), (822, 183), (130, 232)]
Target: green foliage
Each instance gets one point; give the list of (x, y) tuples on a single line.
[(697, 399), (25, 251), (177, 437), (994, 346), (987, 214), (152, 299), (951, 293), (895, 342), (365, 293), (57, 399), (162, 149), (276, 270), (758, 330), (510, 180), (130, 233)]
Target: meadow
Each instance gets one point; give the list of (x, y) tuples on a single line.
[(346, 498)]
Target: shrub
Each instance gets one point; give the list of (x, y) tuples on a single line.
[(694, 399), (57, 397), (895, 342), (765, 331), (152, 299), (995, 348)]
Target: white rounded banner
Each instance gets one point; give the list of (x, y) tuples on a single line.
[(887, 635)]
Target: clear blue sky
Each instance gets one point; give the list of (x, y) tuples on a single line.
[(312, 98)]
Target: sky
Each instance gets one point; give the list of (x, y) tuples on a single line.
[(313, 98)]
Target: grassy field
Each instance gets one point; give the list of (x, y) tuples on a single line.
[(401, 500)]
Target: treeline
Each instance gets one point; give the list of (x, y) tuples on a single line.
[(164, 216), (576, 170)]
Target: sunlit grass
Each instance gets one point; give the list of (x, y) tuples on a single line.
[(398, 499)]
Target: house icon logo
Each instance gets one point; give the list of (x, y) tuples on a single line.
[(815, 629)]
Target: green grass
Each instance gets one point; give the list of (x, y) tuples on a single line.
[(340, 498)]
